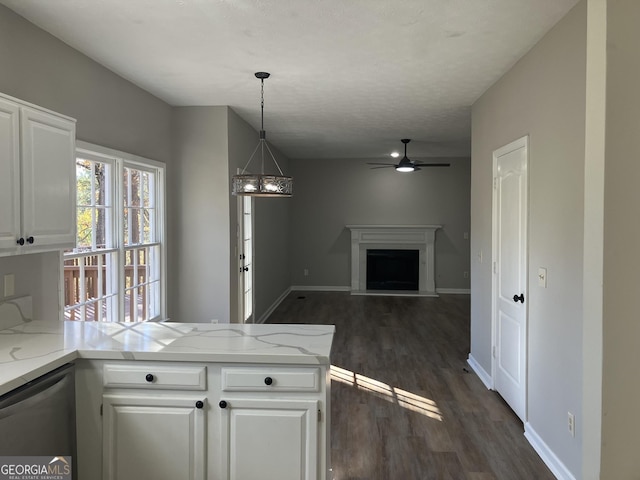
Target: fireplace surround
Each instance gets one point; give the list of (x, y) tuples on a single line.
[(393, 237)]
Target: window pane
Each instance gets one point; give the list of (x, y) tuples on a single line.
[(131, 187), (83, 181), (146, 189), (84, 233), (100, 229), (147, 219), (89, 287), (100, 184), (135, 304)]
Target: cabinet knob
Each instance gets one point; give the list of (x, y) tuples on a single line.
[(199, 404), (149, 378), (268, 381), (20, 241), (30, 240), (222, 404)]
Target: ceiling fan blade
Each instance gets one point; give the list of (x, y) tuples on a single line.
[(382, 166), (377, 163), (432, 164)]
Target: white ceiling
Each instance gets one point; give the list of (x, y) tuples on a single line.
[(350, 78)]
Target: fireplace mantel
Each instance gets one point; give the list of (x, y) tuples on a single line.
[(399, 237)]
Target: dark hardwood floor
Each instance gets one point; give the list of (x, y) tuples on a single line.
[(404, 402)]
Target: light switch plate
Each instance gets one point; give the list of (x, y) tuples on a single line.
[(542, 277)]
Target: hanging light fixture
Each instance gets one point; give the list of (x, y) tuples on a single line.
[(261, 184)]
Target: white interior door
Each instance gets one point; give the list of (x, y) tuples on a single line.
[(510, 274), (245, 257)]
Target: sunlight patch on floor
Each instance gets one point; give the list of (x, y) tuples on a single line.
[(403, 398)]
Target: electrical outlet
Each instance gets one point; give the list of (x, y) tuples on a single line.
[(466, 274), (466, 235), (306, 272), (9, 285), (572, 424)]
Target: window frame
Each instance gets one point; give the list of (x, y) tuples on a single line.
[(119, 161)]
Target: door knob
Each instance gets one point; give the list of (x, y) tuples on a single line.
[(519, 298), (222, 404), (30, 240), (20, 241), (244, 269), (199, 404), (149, 377), (268, 381)]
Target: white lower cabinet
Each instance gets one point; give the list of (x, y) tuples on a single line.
[(269, 439), (154, 436), (169, 420)]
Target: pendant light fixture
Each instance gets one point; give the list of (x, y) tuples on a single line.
[(262, 184)]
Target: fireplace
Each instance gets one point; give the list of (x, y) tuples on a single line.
[(392, 269), (420, 238)]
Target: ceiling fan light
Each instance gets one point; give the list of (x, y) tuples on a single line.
[(405, 168)]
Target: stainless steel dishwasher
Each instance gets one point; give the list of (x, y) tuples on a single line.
[(38, 418)]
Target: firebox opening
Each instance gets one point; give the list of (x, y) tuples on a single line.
[(393, 269)]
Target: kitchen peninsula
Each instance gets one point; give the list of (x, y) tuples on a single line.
[(185, 400)]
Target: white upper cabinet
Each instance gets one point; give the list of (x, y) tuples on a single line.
[(37, 181), (9, 174)]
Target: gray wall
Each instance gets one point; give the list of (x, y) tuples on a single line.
[(330, 194), (40, 69), (621, 382), (198, 184), (542, 96)]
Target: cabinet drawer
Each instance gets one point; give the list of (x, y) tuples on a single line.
[(155, 377), (270, 379)]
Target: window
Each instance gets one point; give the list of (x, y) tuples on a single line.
[(115, 271)]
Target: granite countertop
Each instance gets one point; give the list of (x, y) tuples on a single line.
[(33, 348)]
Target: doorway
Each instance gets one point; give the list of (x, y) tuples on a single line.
[(245, 259), (509, 297)]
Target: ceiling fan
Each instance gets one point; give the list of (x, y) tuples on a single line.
[(406, 165)]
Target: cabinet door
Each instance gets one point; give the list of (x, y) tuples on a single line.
[(154, 437), (270, 439), (9, 174), (48, 178)]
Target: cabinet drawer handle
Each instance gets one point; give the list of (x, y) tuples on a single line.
[(149, 378), (222, 404), (199, 404), (268, 381), (30, 240), (20, 241)]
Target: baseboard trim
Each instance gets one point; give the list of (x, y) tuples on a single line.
[(481, 372), (263, 318), (454, 291), (546, 454), (316, 288)]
